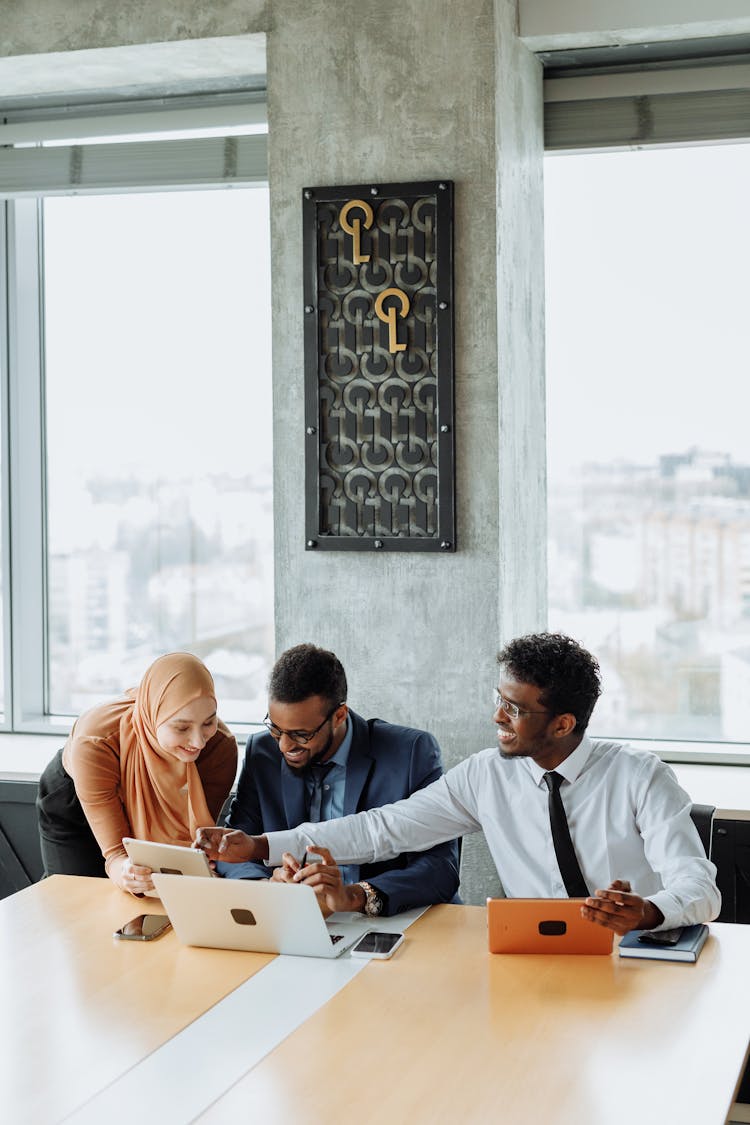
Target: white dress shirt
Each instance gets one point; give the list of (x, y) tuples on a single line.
[(628, 818)]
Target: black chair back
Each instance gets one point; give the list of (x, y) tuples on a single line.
[(703, 819)]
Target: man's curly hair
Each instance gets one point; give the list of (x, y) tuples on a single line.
[(567, 675), (307, 670)]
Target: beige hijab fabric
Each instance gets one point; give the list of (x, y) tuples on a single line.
[(164, 797)]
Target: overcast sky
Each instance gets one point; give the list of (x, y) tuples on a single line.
[(158, 333), (648, 306)]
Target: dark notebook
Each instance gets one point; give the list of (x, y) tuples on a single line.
[(686, 948)]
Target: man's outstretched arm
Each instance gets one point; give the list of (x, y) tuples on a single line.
[(231, 845), (428, 817)]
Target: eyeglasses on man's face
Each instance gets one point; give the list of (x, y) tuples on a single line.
[(300, 736), (512, 710)]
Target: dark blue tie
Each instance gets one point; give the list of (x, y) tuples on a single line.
[(567, 860), (318, 775)]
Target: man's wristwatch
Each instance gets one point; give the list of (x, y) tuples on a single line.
[(373, 900)]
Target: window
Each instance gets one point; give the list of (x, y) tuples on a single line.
[(648, 458), (140, 431)]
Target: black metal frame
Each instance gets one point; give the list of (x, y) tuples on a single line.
[(317, 206)]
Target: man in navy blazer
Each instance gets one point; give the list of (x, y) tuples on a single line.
[(319, 761)]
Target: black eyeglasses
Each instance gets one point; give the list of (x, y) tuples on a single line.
[(512, 709), (300, 736)]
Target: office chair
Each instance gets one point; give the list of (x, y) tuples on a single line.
[(478, 875), (703, 819)]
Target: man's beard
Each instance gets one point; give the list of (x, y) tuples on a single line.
[(315, 758)]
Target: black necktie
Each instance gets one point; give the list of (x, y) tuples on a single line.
[(567, 860)]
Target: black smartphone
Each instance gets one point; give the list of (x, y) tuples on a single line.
[(377, 944), (661, 937), (145, 927)]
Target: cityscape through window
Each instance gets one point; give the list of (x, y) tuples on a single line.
[(648, 453), (158, 427)]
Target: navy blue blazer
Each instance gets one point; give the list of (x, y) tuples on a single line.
[(386, 763)]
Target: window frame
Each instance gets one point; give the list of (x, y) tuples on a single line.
[(27, 175), (602, 112)]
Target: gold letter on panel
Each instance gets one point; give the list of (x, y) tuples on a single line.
[(354, 228)]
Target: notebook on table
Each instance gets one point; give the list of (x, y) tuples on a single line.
[(543, 925), (683, 944), (254, 915)]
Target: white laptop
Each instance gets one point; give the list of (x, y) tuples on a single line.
[(251, 914)]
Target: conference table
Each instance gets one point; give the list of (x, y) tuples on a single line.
[(103, 1031)]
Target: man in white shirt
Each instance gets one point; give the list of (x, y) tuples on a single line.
[(563, 814)]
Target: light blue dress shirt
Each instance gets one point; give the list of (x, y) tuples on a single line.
[(325, 787)]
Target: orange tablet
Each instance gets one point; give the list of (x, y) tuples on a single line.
[(543, 925)]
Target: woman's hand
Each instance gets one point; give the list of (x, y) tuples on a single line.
[(129, 876)]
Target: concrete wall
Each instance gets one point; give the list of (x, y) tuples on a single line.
[(522, 513), (31, 27), (406, 89), (397, 90)]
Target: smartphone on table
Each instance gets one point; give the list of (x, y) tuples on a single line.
[(145, 927), (661, 937), (377, 944)]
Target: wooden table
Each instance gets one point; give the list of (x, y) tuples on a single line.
[(443, 1032), (78, 1007), (446, 1032)]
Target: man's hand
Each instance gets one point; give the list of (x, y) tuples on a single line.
[(289, 868), (620, 910), (230, 845), (325, 879)]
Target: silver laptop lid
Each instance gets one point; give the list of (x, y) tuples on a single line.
[(250, 914)]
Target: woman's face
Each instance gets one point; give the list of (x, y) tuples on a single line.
[(184, 734)]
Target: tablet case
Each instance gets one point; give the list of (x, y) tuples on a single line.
[(544, 925)]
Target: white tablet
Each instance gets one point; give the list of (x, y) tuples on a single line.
[(170, 859)]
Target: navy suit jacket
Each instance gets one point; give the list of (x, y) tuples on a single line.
[(386, 763)]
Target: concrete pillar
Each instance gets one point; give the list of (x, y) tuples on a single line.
[(417, 90)]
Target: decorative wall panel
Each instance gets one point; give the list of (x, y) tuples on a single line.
[(378, 307)]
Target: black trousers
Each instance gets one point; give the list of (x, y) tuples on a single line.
[(68, 845)]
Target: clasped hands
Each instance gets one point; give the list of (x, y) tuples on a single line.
[(321, 872)]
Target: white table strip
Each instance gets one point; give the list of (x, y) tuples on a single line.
[(182, 1078)]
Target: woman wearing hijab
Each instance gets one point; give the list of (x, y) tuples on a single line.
[(155, 765)]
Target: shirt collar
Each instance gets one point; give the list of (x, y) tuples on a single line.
[(570, 768), (341, 757)]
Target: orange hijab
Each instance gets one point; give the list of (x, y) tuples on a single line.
[(164, 797)]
